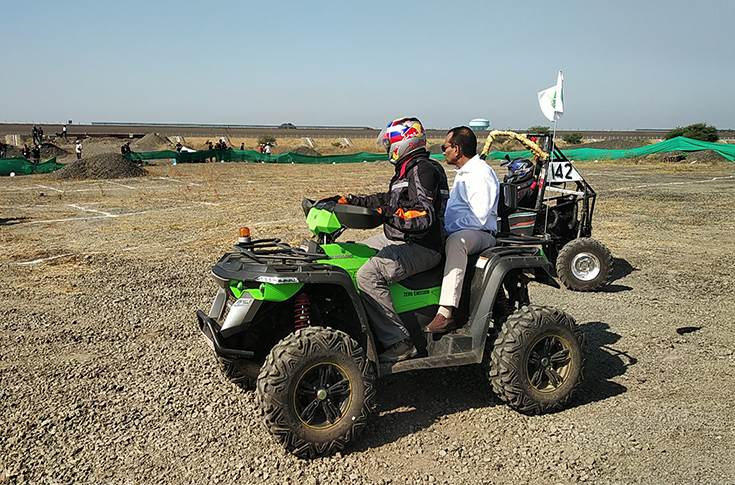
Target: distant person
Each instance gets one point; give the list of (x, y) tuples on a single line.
[(3, 149), (26, 152), (40, 135), (36, 154), (125, 149), (78, 148), (267, 150), (64, 133), (179, 146), (242, 146), (34, 134)]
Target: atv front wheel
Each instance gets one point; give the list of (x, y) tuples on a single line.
[(242, 373), (316, 391), (536, 362), (584, 264)]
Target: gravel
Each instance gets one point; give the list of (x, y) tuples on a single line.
[(102, 166), (105, 379)]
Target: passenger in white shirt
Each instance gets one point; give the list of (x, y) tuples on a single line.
[(470, 218)]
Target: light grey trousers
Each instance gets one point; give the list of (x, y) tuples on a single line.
[(459, 245), (395, 261)]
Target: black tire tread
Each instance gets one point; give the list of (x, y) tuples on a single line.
[(564, 258), (277, 371), (510, 341), (243, 376)]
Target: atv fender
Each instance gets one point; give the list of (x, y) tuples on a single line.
[(492, 267)]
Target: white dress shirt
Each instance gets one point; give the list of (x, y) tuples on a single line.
[(473, 200)]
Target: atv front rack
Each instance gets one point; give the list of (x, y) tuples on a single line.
[(266, 251)]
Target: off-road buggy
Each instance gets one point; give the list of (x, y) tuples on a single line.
[(552, 206), (290, 321)]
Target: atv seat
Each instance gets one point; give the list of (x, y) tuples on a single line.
[(433, 277), (426, 279)]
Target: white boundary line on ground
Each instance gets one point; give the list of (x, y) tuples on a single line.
[(50, 188), (87, 209), (179, 181), (41, 260), (106, 215), (702, 181), (121, 185)]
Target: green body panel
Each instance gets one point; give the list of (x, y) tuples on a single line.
[(351, 256), (406, 300), (267, 291), (348, 256), (322, 221)]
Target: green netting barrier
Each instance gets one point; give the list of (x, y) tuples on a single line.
[(21, 166), (254, 157), (675, 144), (160, 155), (679, 143)]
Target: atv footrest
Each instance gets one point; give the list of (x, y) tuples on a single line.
[(450, 343), (210, 331), (434, 362)]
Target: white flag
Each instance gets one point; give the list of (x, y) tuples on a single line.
[(552, 100)]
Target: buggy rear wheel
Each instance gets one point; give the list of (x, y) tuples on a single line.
[(316, 391), (537, 360), (584, 264)]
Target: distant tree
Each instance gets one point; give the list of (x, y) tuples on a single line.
[(572, 138), (265, 139), (697, 131), (539, 129)]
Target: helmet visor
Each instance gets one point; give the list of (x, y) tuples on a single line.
[(382, 141)]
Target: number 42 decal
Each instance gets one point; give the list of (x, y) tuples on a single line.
[(562, 172)]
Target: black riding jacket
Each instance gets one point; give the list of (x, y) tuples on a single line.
[(413, 208)]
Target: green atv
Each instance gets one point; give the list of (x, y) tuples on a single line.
[(290, 322)]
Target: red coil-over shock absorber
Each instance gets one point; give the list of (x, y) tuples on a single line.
[(302, 311)]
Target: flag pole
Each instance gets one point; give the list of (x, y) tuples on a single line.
[(553, 137)]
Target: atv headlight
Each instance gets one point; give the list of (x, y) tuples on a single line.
[(276, 280)]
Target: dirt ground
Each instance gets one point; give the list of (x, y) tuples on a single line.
[(104, 377)]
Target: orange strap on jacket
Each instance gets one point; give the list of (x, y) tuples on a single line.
[(410, 214)]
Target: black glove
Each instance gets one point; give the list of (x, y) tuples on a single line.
[(384, 211), (328, 203)]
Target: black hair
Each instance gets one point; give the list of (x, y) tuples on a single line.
[(465, 139)]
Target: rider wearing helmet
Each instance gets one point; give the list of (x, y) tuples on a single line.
[(412, 239)]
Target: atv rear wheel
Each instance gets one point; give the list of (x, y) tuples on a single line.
[(584, 264), (316, 391), (537, 359)]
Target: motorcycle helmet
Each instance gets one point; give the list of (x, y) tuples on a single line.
[(402, 137), (519, 170)]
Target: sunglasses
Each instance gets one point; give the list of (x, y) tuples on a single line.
[(444, 148)]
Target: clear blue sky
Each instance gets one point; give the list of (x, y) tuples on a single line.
[(627, 64)]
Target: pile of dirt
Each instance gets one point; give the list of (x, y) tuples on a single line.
[(102, 166), (151, 142), (623, 144), (304, 150), (13, 151), (49, 150), (704, 156)]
